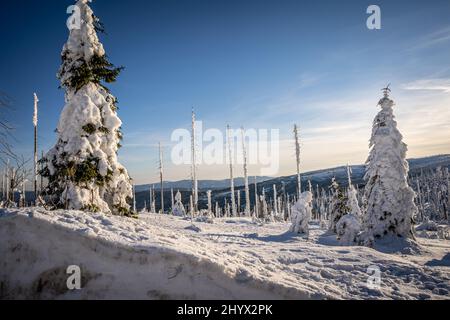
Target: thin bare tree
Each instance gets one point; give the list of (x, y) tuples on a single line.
[(5, 127), (18, 171)]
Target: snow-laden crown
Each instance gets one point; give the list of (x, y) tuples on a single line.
[(84, 58), (386, 142), (83, 42)]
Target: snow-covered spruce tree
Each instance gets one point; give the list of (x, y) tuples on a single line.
[(338, 207), (178, 209), (82, 168), (348, 229), (390, 200), (301, 213)]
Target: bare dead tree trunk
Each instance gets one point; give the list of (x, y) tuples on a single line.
[(194, 167), (256, 214), (161, 177), (247, 190), (172, 201), (297, 155), (230, 157), (35, 124)]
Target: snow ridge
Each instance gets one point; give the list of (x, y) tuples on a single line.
[(156, 257)]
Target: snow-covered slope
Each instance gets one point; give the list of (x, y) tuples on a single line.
[(323, 177), (159, 257)]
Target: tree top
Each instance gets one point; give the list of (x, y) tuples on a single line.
[(386, 90)]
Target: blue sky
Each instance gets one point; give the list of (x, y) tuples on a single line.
[(258, 64)]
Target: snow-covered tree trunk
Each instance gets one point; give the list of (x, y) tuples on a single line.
[(275, 202), (161, 177), (208, 193), (310, 189), (134, 198), (390, 200), (256, 210), (247, 189), (317, 202), (419, 196), (153, 199), (8, 181), (217, 210), (150, 199), (4, 185), (41, 178), (288, 206), (35, 125), (230, 158), (239, 202), (280, 206), (352, 196), (191, 207), (172, 200), (265, 210), (23, 199), (297, 158), (194, 165), (82, 168)]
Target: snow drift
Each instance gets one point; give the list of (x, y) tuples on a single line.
[(157, 257)]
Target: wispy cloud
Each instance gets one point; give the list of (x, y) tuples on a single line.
[(442, 85), (432, 39), (308, 80)]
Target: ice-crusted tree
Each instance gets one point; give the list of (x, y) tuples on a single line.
[(348, 229), (82, 169), (390, 200), (301, 213), (352, 195), (432, 188), (349, 225), (338, 207), (178, 209)]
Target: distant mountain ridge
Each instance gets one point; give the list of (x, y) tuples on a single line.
[(202, 184), (322, 178), (316, 177)]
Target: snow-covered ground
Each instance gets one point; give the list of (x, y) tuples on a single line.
[(164, 257)]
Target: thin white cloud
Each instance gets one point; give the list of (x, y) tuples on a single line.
[(308, 80), (442, 85), (432, 39)]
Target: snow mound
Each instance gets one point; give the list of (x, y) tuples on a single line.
[(428, 226), (156, 257), (301, 213), (348, 228)]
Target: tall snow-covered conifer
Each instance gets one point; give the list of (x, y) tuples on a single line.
[(390, 200), (82, 168)]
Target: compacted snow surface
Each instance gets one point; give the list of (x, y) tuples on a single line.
[(166, 257)]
